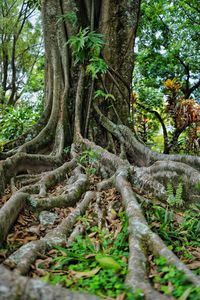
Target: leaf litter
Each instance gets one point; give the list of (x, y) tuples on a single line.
[(103, 239)]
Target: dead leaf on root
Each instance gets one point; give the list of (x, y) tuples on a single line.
[(43, 263), (29, 238)]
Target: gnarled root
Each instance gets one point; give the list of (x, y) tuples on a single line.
[(13, 285), (146, 173), (27, 254), (141, 237)]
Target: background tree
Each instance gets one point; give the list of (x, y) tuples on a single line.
[(20, 48), (78, 63), (174, 116), (168, 41), (167, 48)]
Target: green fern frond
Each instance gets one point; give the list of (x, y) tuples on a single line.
[(175, 199)]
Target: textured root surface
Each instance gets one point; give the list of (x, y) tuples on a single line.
[(140, 233), (14, 286), (27, 254), (67, 191)]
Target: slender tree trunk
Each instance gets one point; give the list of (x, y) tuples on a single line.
[(11, 100), (5, 75)]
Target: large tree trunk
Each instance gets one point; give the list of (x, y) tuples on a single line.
[(33, 168)]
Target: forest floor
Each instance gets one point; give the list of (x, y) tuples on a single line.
[(95, 257)]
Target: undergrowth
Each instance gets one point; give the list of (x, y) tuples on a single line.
[(96, 262), (15, 120), (179, 229), (172, 282)]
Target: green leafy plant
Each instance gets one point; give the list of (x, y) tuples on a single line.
[(86, 47), (98, 270), (16, 120), (179, 284), (101, 94), (88, 156), (70, 17), (179, 236), (197, 186), (175, 199), (88, 160), (96, 66), (67, 150)]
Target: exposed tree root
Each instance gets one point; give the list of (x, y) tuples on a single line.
[(27, 254), (25, 163), (76, 232), (13, 285), (153, 170), (9, 213), (68, 198), (141, 237), (26, 179), (33, 177), (139, 153), (34, 166), (12, 208)]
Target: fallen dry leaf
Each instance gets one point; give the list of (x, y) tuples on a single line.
[(92, 234), (43, 263), (194, 265), (86, 274), (5, 198), (21, 220), (121, 297), (118, 228), (90, 255), (29, 238), (155, 224), (3, 253)]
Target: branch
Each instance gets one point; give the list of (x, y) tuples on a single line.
[(88, 108), (158, 116), (187, 70), (194, 87), (78, 104), (119, 76)]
